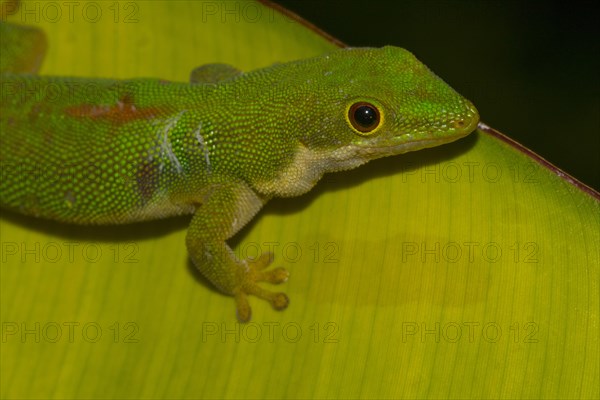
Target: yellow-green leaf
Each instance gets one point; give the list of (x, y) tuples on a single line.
[(465, 271)]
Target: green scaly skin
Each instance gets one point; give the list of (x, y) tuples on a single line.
[(102, 151)]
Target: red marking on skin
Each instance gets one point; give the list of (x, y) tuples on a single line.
[(120, 113)]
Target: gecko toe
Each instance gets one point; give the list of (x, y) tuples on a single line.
[(280, 301), (261, 262), (244, 312), (249, 278), (275, 276)]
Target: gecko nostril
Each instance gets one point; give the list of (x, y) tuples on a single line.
[(461, 123)]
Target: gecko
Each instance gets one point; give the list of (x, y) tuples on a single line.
[(217, 147)]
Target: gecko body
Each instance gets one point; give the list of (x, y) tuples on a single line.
[(105, 151)]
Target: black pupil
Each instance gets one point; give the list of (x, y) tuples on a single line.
[(365, 116)]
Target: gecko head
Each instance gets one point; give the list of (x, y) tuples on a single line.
[(370, 103)]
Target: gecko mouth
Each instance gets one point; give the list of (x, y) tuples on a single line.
[(355, 154), (382, 151), (386, 147)]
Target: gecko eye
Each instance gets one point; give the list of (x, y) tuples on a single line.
[(364, 117)]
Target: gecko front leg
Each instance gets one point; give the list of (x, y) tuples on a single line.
[(224, 211)]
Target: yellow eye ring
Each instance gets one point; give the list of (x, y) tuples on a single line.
[(364, 117)]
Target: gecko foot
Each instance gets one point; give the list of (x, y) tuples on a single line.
[(254, 274)]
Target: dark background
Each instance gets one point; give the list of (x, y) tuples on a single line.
[(530, 67)]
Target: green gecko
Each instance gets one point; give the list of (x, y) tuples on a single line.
[(219, 147)]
